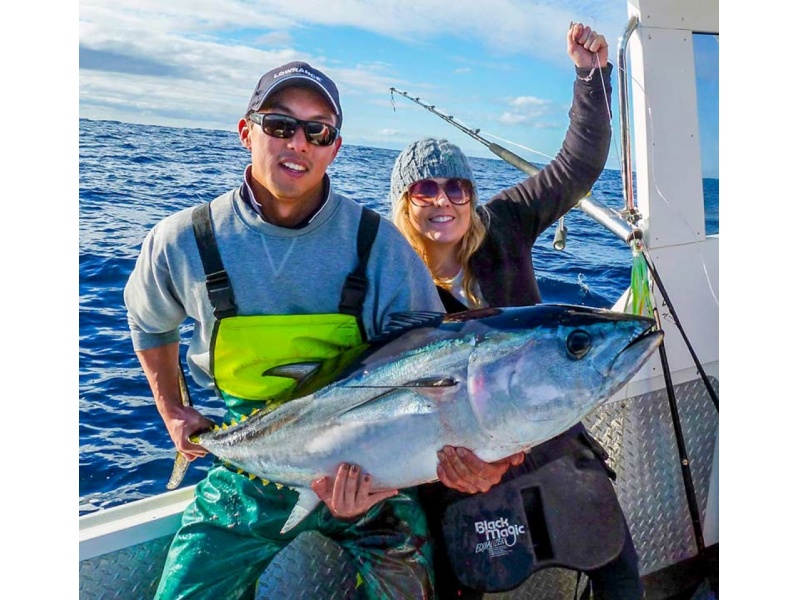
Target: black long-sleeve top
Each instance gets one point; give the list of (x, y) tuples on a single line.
[(515, 217)]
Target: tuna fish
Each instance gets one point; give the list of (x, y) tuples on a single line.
[(496, 381)]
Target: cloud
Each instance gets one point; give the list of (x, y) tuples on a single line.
[(506, 27), (527, 102), (527, 109), (508, 118), (164, 56), (180, 27), (275, 38)]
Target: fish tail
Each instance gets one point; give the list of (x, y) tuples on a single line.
[(178, 471), (181, 464)]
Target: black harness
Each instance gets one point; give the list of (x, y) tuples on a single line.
[(218, 284)]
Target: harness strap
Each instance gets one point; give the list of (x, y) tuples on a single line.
[(355, 286), (218, 284), (450, 302), (220, 292)]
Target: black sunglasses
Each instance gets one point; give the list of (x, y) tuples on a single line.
[(424, 192), (284, 127)]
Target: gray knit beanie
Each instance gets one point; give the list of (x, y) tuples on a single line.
[(428, 158)]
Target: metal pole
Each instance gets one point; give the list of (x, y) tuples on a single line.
[(610, 220), (622, 76)]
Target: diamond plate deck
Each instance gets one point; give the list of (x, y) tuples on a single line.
[(129, 574)]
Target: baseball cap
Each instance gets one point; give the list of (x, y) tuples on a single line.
[(295, 73)]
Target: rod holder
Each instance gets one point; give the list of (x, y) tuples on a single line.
[(560, 238), (610, 220)]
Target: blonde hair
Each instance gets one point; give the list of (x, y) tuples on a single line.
[(469, 244)]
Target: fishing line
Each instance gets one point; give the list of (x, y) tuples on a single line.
[(617, 149), (486, 133)]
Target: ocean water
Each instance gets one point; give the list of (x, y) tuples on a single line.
[(131, 176)]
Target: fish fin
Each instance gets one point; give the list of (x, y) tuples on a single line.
[(435, 381), (471, 315), (178, 471), (186, 398), (394, 402), (310, 376), (307, 500), (300, 372), (401, 321), (430, 382), (181, 465)]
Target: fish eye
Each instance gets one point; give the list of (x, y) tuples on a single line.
[(578, 344)]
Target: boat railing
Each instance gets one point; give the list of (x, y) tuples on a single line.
[(622, 76), (622, 223)]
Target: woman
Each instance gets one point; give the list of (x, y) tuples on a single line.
[(480, 256)]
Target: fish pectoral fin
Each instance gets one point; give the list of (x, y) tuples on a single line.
[(396, 402), (178, 471), (435, 382), (413, 318), (298, 371), (307, 501), (400, 322)]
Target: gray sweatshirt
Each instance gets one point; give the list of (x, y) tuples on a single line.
[(273, 270)]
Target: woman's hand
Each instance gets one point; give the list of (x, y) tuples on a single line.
[(350, 494), (461, 470), (583, 43)]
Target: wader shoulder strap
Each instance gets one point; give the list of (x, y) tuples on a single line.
[(218, 284), (355, 286)]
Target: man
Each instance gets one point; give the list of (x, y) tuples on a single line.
[(242, 268)]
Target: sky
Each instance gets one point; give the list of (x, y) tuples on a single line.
[(502, 69)]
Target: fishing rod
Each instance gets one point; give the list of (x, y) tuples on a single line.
[(611, 220), (508, 156), (560, 238)]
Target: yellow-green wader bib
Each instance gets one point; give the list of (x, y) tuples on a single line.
[(268, 360), (230, 531)]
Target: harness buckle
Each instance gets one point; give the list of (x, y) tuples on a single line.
[(352, 299), (220, 294)]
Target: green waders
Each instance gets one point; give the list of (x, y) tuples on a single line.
[(231, 530)]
